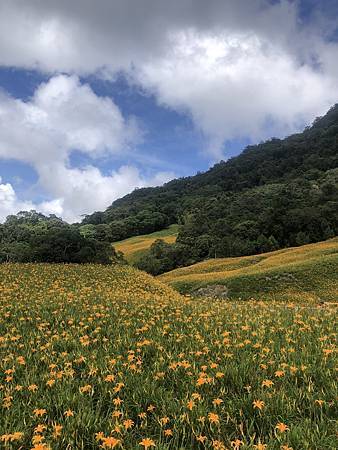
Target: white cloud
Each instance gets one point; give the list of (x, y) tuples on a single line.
[(237, 85), (11, 204), (63, 116), (78, 191), (238, 68), (85, 190)]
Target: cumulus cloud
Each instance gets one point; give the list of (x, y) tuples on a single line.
[(238, 85), (78, 191), (65, 115), (239, 68), (82, 191), (62, 116), (11, 204)]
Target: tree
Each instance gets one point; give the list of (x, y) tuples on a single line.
[(33, 237)]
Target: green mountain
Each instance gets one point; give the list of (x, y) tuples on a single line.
[(280, 193)]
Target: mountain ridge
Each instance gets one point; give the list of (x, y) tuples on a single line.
[(305, 156), (330, 119)]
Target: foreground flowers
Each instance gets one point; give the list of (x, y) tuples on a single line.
[(101, 357)]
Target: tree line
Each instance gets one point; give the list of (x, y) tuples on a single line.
[(258, 220), (30, 236)]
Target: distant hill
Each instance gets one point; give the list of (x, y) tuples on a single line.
[(277, 194), (307, 273)]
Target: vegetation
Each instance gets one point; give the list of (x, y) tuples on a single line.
[(162, 257), (307, 273), (277, 194), (108, 357), (125, 225), (33, 237), (135, 247)]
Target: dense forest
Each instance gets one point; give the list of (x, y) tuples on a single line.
[(33, 237), (280, 193), (275, 194)]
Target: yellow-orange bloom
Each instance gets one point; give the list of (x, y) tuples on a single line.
[(218, 445), (32, 387), (217, 401), (279, 373), (213, 418), (40, 412), (57, 430), (41, 447), (110, 442), (190, 404), (147, 443), (260, 446), (128, 423), (237, 444), (258, 404), (281, 427), (40, 428)]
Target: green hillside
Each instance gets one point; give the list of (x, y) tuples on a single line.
[(306, 273), (277, 194), (133, 248)]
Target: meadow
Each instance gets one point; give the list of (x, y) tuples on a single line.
[(108, 357), (308, 273), (133, 248)]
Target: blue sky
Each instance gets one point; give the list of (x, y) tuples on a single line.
[(171, 142), (96, 102)]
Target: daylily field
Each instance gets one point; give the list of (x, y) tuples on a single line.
[(98, 357)]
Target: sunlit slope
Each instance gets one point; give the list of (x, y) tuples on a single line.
[(309, 272), (60, 281), (100, 357), (133, 248)]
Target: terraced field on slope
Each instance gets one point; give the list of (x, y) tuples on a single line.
[(309, 272), (134, 247)]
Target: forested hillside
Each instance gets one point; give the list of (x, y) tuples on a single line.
[(275, 194)]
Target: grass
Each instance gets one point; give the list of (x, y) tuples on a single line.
[(309, 272), (134, 247), (99, 357)]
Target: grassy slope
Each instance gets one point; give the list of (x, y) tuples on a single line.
[(307, 273), (128, 358), (134, 247)]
